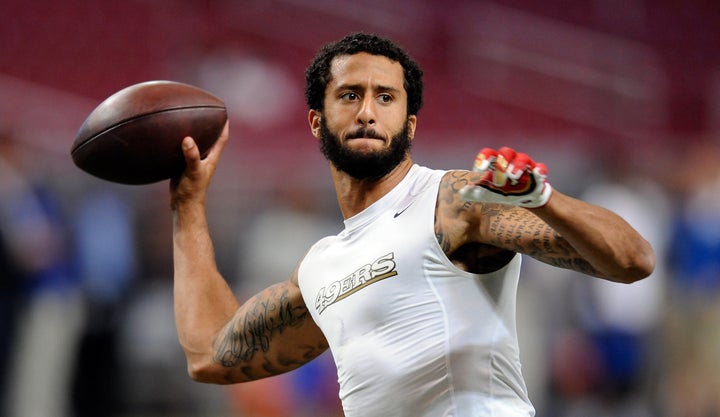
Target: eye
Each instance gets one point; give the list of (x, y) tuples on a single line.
[(385, 98), (350, 96)]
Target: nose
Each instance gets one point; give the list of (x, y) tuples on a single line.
[(366, 114)]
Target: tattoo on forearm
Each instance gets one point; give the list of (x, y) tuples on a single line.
[(252, 332), (512, 227)]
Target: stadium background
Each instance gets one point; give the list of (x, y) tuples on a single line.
[(620, 98)]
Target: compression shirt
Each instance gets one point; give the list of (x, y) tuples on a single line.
[(412, 335)]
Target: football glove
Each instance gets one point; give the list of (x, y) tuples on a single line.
[(508, 177)]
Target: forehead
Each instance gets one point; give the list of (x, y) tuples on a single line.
[(362, 68)]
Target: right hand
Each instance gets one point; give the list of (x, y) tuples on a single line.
[(193, 183)]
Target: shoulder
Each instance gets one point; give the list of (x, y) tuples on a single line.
[(455, 219), (452, 181), (311, 258), (449, 201), (475, 219), (463, 228)]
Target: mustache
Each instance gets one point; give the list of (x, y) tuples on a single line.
[(364, 133)]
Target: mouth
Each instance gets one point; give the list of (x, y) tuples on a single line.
[(365, 144), (365, 134), (365, 139)]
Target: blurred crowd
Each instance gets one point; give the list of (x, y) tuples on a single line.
[(86, 325)]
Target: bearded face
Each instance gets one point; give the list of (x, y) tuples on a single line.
[(364, 165)]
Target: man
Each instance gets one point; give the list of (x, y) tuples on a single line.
[(416, 297)]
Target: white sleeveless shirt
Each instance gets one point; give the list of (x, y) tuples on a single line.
[(411, 334)]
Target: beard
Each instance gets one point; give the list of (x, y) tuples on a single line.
[(361, 165)]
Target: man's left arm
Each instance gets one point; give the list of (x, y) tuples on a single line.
[(614, 249), (523, 213)]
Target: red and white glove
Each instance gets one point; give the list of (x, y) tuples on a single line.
[(509, 177)]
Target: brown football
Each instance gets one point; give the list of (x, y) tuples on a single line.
[(134, 136)]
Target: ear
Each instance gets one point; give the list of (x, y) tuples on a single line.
[(314, 121), (412, 124)]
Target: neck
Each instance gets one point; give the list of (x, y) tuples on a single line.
[(356, 195)]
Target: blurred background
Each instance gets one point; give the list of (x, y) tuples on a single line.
[(620, 98)]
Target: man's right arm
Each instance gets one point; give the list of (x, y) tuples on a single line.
[(271, 333), (225, 342)]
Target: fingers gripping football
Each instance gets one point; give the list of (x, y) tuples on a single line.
[(508, 177)]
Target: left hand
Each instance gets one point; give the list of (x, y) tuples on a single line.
[(508, 177)]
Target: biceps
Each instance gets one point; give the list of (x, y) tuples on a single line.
[(271, 333)]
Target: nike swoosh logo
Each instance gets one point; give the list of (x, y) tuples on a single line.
[(402, 211)]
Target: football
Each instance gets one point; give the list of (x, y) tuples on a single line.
[(134, 136)]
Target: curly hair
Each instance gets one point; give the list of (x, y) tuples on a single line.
[(317, 75)]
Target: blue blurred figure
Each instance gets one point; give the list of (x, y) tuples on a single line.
[(48, 315)]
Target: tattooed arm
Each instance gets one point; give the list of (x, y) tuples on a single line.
[(271, 333), (566, 233), (224, 342)]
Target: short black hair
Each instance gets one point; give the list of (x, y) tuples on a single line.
[(317, 75)]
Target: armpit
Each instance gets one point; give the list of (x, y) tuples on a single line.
[(478, 258)]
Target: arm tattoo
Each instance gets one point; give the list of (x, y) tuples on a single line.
[(503, 227), (449, 191), (449, 207), (253, 331), (526, 233)]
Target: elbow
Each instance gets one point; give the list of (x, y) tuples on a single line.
[(637, 272), (200, 372), (639, 266), (207, 372)]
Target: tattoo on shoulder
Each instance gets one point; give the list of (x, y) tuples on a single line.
[(451, 185), (448, 207), (264, 318)]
